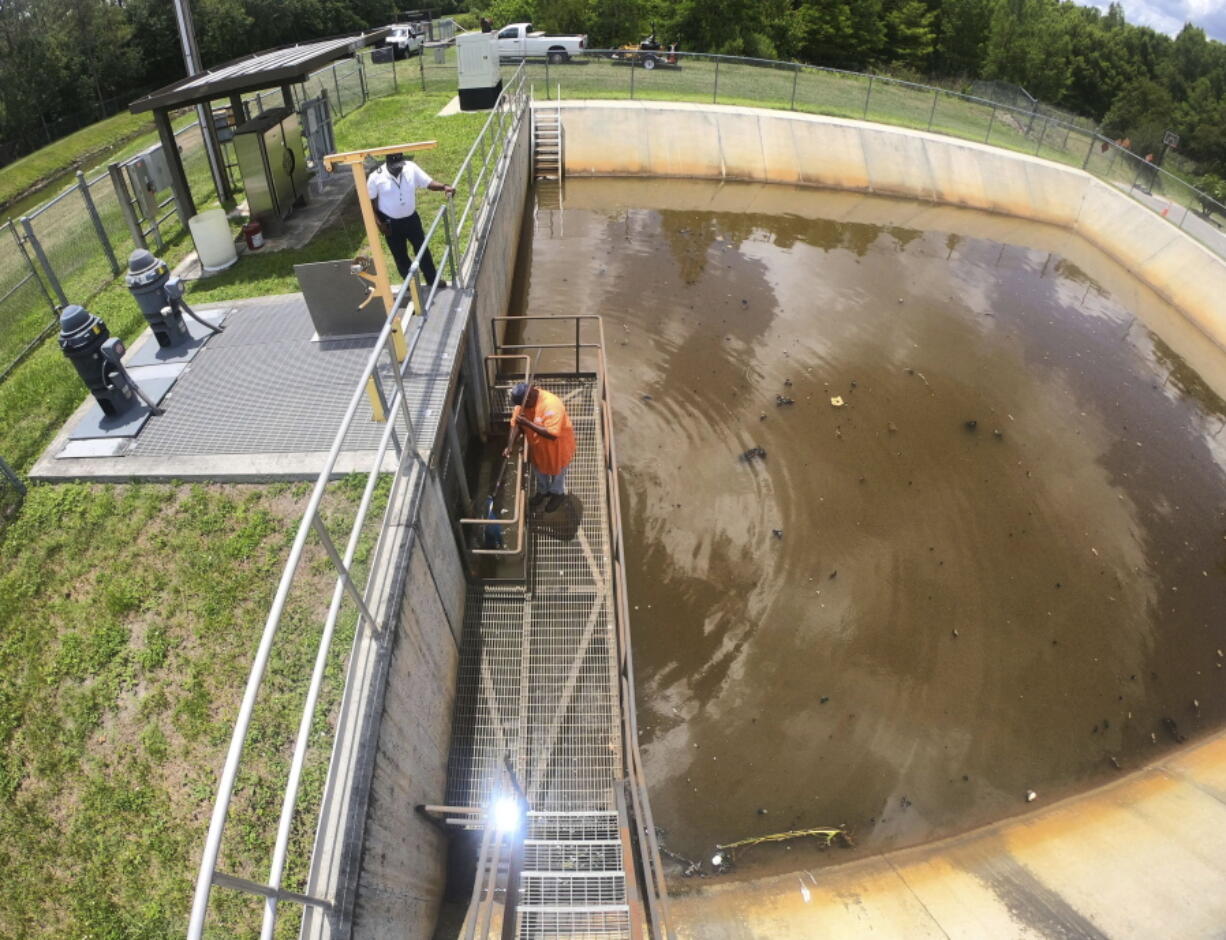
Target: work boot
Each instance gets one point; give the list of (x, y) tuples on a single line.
[(537, 501), (555, 500)]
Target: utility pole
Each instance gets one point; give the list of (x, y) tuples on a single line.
[(204, 112)]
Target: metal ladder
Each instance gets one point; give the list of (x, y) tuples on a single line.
[(547, 155)]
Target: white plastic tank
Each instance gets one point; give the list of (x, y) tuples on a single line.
[(214, 242)]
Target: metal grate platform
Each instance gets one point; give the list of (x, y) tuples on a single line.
[(538, 664), (264, 386)]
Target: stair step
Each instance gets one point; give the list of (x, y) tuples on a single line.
[(572, 908)]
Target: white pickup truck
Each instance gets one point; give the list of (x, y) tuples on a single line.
[(405, 40), (519, 41)]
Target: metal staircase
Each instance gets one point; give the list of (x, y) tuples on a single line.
[(573, 882)]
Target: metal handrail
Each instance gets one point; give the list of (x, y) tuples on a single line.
[(397, 407)]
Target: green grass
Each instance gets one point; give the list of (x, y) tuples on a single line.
[(77, 149), (129, 616)]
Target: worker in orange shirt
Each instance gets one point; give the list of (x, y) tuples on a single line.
[(541, 418)]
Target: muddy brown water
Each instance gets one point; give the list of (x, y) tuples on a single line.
[(999, 566)]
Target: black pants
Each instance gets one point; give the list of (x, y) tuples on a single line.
[(409, 228)]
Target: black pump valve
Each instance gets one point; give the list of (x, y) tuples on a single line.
[(97, 356), (160, 298)]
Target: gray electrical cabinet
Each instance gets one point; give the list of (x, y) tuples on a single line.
[(273, 165), (149, 176)]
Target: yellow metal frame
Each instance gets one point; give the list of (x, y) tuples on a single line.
[(380, 281)]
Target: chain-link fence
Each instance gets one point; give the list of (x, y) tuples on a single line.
[(1036, 130), (79, 239), (12, 491), (27, 311)]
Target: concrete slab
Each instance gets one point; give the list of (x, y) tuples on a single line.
[(150, 353), (264, 400), (96, 447)]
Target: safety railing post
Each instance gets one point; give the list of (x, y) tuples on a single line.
[(421, 67), (867, 95), (932, 113), (1085, 164), (125, 205), (8, 473), (991, 120), (715, 87), (1042, 134), (395, 83), (361, 78), (795, 79), (336, 82), (41, 255), (449, 234), (632, 67), (83, 186), (30, 266)]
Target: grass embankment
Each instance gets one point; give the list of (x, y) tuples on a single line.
[(76, 150), (128, 620)]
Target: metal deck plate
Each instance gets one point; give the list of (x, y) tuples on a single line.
[(150, 353), (95, 424), (264, 387)]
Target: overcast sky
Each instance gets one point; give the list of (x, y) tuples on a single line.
[(1168, 16)]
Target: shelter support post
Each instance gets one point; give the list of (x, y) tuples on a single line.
[(178, 179)]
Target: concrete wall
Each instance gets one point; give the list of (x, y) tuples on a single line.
[(714, 142), (403, 867), (404, 856), (495, 266)]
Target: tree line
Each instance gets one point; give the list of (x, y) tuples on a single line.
[(1132, 80), (63, 57)]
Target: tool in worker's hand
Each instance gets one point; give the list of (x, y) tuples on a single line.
[(492, 534)]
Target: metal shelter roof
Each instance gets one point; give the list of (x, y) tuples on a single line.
[(271, 69)]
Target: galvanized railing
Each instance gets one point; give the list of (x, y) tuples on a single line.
[(495, 140)]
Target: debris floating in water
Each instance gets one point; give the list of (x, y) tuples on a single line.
[(782, 400), (1031, 796), (837, 401), (971, 424), (829, 835), (754, 453), (777, 533)]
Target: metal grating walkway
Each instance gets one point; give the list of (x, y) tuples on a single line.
[(263, 386), (538, 665), (538, 682)]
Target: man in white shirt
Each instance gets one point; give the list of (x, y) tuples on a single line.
[(393, 191)]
